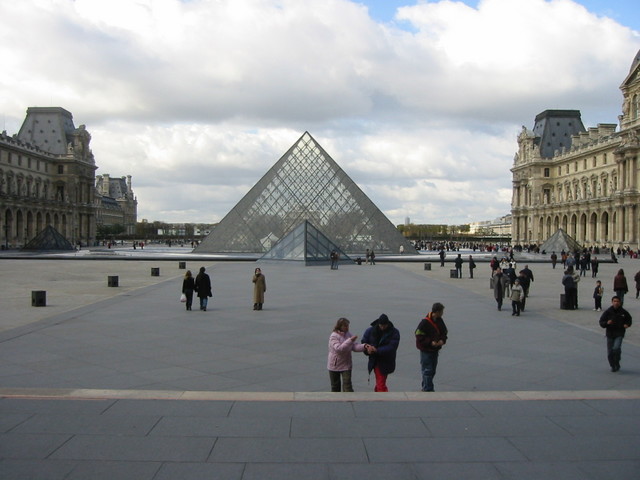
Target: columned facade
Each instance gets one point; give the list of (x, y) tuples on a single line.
[(584, 181)]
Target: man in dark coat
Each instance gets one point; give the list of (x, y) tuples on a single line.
[(431, 335), (458, 263), (472, 265), (381, 341), (615, 320), (203, 287), (594, 267), (570, 289), (498, 283)]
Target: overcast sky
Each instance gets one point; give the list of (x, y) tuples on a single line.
[(420, 103)]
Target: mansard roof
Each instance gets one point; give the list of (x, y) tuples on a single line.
[(554, 129), (48, 128), (633, 71)]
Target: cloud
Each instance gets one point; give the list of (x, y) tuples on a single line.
[(198, 99)]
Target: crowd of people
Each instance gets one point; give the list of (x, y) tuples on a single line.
[(381, 339)]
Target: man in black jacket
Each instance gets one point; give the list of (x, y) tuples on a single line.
[(615, 320), (431, 335)]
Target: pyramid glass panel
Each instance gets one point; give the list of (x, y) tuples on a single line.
[(49, 239), (305, 184), (307, 244)]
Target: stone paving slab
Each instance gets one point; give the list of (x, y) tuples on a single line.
[(129, 385)]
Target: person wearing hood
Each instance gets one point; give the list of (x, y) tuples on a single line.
[(381, 340)]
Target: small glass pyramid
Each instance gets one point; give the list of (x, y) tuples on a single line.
[(305, 243), (305, 184), (48, 239)]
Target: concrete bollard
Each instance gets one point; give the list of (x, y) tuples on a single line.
[(155, 272), (182, 265), (427, 266), (38, 298), (112, 281)]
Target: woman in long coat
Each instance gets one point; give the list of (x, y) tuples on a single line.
[(259, 287), (620, 285), (498, 282)]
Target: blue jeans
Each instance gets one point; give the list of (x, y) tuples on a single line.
[(614, 351), (428, 364), (204, 301)]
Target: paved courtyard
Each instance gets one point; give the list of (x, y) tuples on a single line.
[(124, 383)]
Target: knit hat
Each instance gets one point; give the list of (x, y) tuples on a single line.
[(383, 320)]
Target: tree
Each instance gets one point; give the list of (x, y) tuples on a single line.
[(108, 231)]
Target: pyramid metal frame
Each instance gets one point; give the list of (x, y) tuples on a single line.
[(49, 239), (305, 184), (559, 241), (307, 244)]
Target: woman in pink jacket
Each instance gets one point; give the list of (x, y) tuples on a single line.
[(339, 364)]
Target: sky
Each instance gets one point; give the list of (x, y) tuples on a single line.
[(420, 102)]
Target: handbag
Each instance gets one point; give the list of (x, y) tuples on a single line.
[(183, 298)]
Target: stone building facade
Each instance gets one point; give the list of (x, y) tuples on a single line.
[(116, 203), (584, 181), (47, 177), (47, 174)]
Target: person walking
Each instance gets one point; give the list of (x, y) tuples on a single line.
[(595, 263), (615, 320), (517, 297), (335, 259), (597, 296), (525, 283), (339, 362), (259, 287), (620, 285), (637, 279), (569, 289), (188, 286), (372, 257), (584, 265), (431, 335), (554, 259), (382, 340), (472, 265), (203, 287), (458, 263), (498, 285)]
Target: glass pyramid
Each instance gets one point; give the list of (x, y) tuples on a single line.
[(48, 239), (305, 184), (305, 243)]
